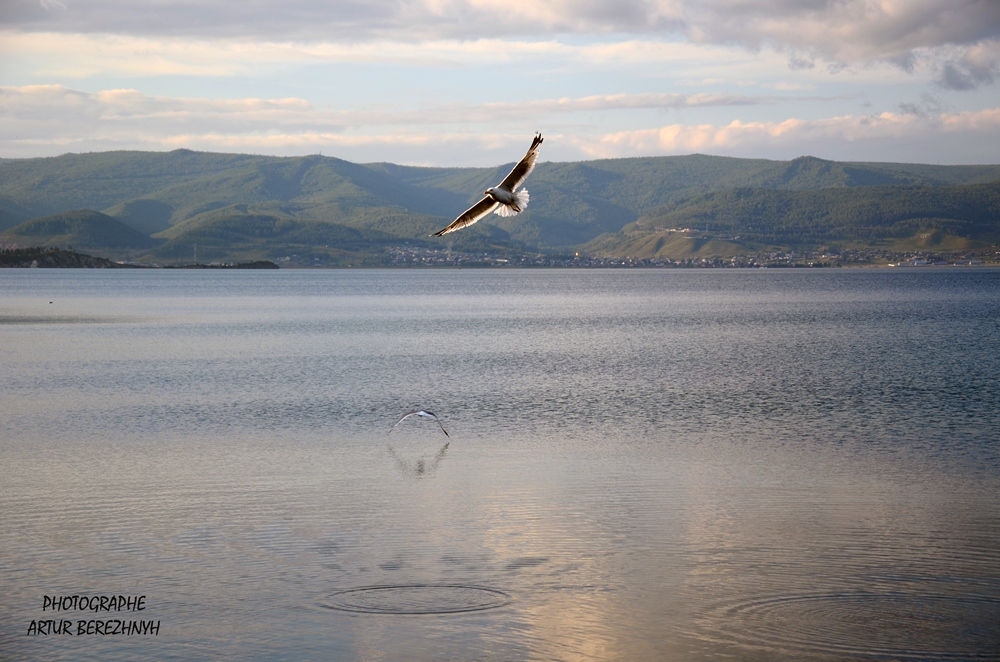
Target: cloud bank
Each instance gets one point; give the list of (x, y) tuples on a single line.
[(54, 119), (456, 81), (130, 110), (841, 32), (885, 137)]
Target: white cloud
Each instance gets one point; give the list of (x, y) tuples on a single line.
[(437, 66), (52, 119), (122, 110), (81, 55), (46, 119), (788, 87), (846, 30), (947, 137), (849, 32), (965, 69)]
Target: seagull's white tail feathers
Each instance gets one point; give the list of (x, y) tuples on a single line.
[(520, 201)]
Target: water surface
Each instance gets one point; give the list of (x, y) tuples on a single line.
[(642, 464)]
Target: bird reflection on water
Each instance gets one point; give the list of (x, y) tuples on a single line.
[(420, 468)]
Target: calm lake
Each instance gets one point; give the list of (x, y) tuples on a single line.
[(642, 465)]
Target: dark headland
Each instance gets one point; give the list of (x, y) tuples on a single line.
[(57, 258)]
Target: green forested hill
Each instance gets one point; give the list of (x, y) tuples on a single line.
[(81, 228), (244, 206), (97, 181), (259, 231), (573, 203), (945, 217), (836, 213)]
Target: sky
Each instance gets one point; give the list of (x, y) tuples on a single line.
[(468, 82)]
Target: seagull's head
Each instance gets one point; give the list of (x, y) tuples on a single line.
[(488, 191)]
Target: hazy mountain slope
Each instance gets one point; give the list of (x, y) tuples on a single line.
[(145, 215), (182, 195), (572, 203), (976, 207), (646, 182), (81, 228), (108, 179), (308, 183), (225, 235), (11, 214), (100, 180), (936, 175), (955, 215), (272, 228)]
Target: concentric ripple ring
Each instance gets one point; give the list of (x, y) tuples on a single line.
[(889, 624), (418, 599)]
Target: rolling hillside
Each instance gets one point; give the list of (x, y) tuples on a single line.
[(896, 217), (80, 228), (252, 207)]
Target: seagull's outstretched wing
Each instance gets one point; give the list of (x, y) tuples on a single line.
[(470, 216), (523, 168)]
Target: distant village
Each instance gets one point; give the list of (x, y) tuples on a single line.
[(416, 256), (407, 256)]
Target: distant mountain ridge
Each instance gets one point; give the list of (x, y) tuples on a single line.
[(894, 217), (255, 207)]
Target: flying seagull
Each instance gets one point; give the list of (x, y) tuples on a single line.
[(422, 414), (504, 198)]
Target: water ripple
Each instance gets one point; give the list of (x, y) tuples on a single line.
[(897, 625), (418, 599)]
